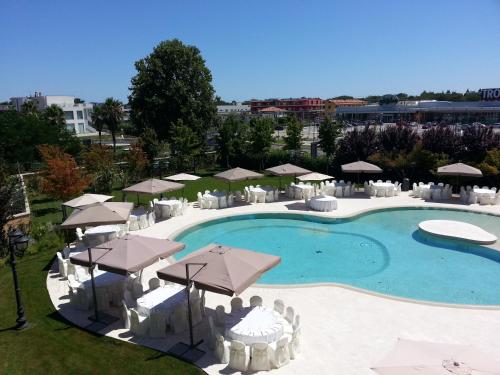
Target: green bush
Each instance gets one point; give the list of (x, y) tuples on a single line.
[(50, 241)]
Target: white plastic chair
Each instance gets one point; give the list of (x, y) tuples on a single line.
[(261, 357), (222, 202), (179, 320), (472, 198), (138, 323), (497, 199), (220, 316), (238, 357), (197, 311), (165, 211), (230, 200), (134, 223), (390, 192), (436, 194), (486, 199), (154, 283), (339, 192), (157, 325), (79, 234), (289, 314), (294, 345), (143, 221), (281, 355), (137, 289), (125, 315), (63, 265), (236, 304), (255, 301), (221, 349), (380, 192), (279, 306), (212, 332)]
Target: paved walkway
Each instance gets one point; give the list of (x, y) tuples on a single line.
[(344, 331)]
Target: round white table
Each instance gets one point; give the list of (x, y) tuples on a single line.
[(262, 194), (215, 198), (300, 190), (100, 234), (385, 186), (321, 203), (252, 325), (172, 205)]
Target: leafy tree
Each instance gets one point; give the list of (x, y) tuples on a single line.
[(61, 178), (477, 140), (30, 107), (54, 115), (397, 139), (98, 120), (151, 145), (137, 161), (185, 145), (293, 138), (442, 139), (99, 162), (232, 139), (8, 190), (261, 137), (172, 84), (112, 113), (328, 134), (20, 134), (388, 99), (357, 145)]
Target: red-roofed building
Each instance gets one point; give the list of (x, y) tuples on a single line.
[(302, 107), (331, 105)]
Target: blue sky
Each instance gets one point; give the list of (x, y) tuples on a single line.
[(255, 49)]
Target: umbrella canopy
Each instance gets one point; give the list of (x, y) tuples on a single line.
[(237, 174), (314, 176), (288, 170), (360, 167), (128, 254), (99, 214), (153, 186), (459, 169), (425, 358), (182, 177), (227, 270), (87, 199)]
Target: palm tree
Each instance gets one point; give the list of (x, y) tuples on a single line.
[(112, 114), (55, 115), (30, 107), (98, 120)]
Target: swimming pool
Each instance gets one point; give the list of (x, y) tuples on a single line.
[(380, 251)]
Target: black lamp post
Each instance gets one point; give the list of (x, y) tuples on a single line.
[(18, 242)]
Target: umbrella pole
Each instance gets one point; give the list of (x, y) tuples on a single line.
[(190, 313), (94, 295)]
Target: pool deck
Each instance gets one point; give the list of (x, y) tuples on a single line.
[(344, 331)]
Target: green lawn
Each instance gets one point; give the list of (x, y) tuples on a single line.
[(55, 346)]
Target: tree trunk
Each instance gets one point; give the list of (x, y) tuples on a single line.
[(113, 135), (100, 140)]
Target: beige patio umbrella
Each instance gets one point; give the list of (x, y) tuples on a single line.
[(360, 167), (99, 214), (182, 177), (459, 170), (124, 255), (85, 200), (287, 170), (153, 186), (314, 176), (237, 174), (426, 358), (219, 269)]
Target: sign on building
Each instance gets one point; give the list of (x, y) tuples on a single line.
[(490, 94)]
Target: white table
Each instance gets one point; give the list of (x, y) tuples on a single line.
[(100, 234), (215, 198), (172, 204), (321, 203), (162, 300), (385, 186), (489, 192), (262, 192), (112, 282), (300, 189), (252, 325)]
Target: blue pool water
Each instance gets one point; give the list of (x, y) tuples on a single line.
[(381, 251)]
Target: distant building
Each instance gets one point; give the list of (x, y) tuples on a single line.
[(6, 107), (272, 112), (303, 108), (425, 111), (77, 115), (332, 104), (233, 109)]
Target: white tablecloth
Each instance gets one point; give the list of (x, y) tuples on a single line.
[(321, 203), (100, 234), (300, 190), (172, 204), (252, 325), (161, 300), (215, 196), (102, 229), (480, 192), (383, 185), (112, 282), (263, 192)]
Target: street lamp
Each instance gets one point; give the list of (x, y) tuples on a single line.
[(18, 242)]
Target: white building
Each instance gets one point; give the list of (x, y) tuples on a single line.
[(77, 115), (233, 109)]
